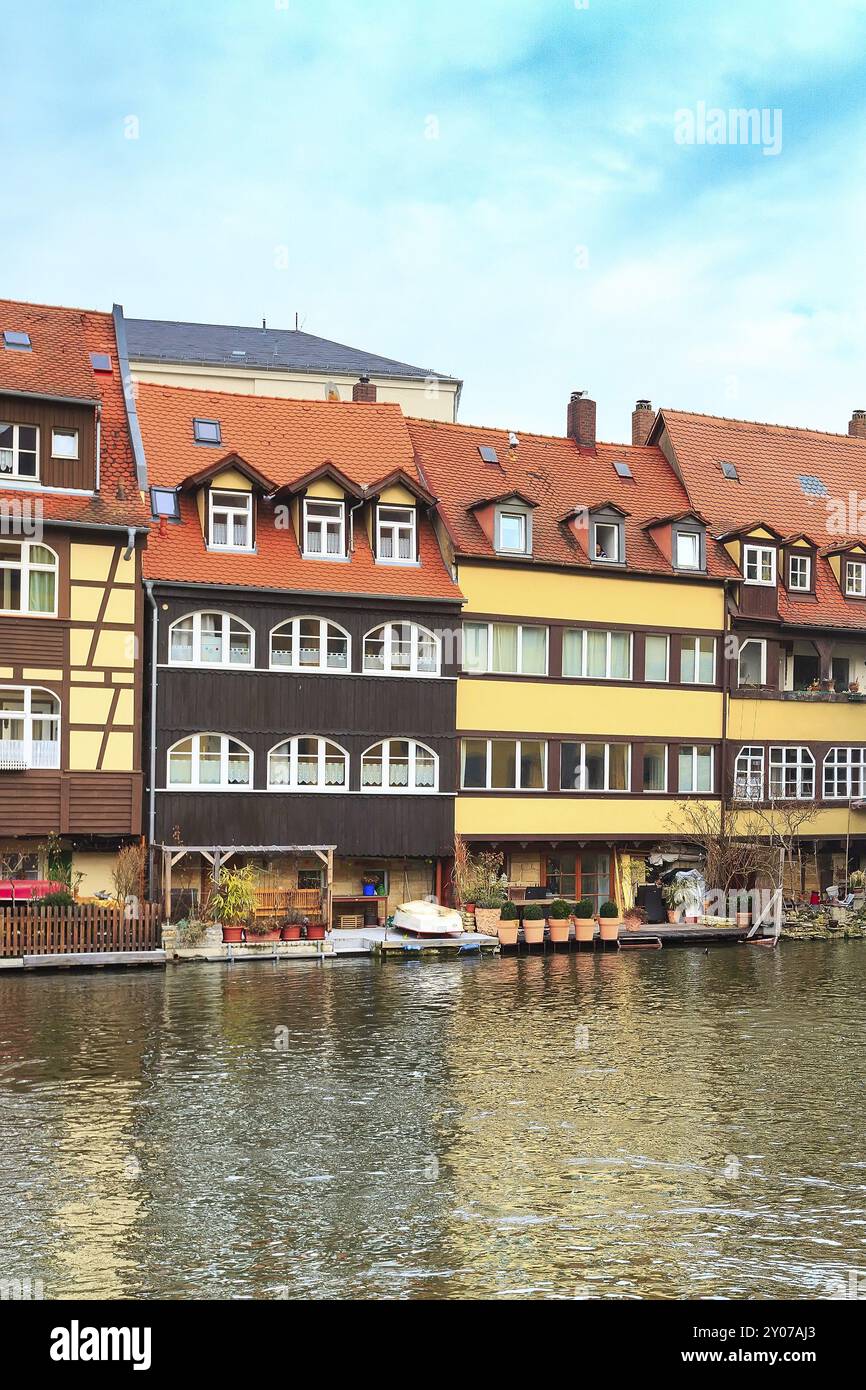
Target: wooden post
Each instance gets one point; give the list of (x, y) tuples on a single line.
[(166, 883)]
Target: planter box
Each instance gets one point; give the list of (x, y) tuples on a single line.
[(487, 920)]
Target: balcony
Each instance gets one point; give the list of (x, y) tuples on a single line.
[(20, 755)]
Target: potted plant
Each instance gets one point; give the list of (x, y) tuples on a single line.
[(488, 909), (369, 886), (508, 925), (233, 902), (290, 928), (674, 895), (584, 922), (560, 922), (856, 884), (533, 924), (263, 929), (315, 931), (609, 921)]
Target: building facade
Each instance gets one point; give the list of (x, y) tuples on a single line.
[(72, 531)]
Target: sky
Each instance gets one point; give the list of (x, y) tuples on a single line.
[(504, 191)]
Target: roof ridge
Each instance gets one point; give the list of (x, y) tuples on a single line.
[(532, 434), (63, 308), (761, 424)]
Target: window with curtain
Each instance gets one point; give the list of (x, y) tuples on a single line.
[(401, 649), (596, 654), (696, 768), (209, 762), (310, 644), (698, 660), (503, 764), (399, 765), (395, 535), (655, 767), (19, 451), (656, 646), (752, 662), (749, 773), (231, 521), (29, 728), (308, 763), (210, 639), (507, 649), (599, 767), (759, 564), (28, 578), (324, 529)]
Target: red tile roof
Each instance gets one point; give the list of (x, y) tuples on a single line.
[(769, 461), (59, 365), (284, 440), (560, 477)]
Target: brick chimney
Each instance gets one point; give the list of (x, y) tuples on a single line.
[(580, 424), (857, 424), (641, 421), (363, 390)]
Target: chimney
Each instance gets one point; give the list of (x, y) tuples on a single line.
[(580, 424), (363, 390), (641, 421), (857, 424)]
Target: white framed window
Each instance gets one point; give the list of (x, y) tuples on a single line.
[(395, 535), (696, 767), (844, 773), (28, 578), (210, 639), (399, 765), (595, 767), (509, 649), (310, 644), (64, 443), (792, 773), (749, 773), (855, 578), (687, 555), (401, 649), (752, 662), (230, 520), (324, 529), (308, 764), (19, 451), (209, 762), (597, 654), (513, 531), (698, 660), (607, 544), (503, 764), (799, 573), (656, 656), (29, 728), (655, 767), (759, 564)]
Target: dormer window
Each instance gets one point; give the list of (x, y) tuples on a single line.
[(395, 535), (855, 578), (19, 451), (324, 529), (800, 573), (513, 531), (687, 552), (759, 564), (230, 521), (607, 542), (64, 443)]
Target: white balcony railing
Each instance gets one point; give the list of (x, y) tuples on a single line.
[(17, 755)]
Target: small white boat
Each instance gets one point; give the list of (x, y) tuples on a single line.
[(428, 919)]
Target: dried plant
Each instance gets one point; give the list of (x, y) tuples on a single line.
[(128, 873)]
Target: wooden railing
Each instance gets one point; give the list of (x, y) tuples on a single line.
[(46, 931), (273, 902)]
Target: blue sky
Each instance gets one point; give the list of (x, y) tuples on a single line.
[(492, 189)]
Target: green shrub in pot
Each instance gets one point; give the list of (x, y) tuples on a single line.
[(509, 912), (608, 909), (559, 910), (582, 908), (533, 913)]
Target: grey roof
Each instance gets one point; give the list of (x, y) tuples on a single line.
[(277, 349)]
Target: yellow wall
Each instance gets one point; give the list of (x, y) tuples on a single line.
[(796, 721), (587, 708), (104, 655), (520, 592), (559, 816)]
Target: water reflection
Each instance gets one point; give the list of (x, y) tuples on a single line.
[(655, 1124)]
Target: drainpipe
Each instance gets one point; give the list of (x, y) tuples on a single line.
[(130, 542), (352, 511), (98, 444), (148, 586)]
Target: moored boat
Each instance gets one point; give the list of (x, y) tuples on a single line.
[(428, 919)]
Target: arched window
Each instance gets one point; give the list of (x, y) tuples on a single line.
[(749, 773), (399, 765), (210, 639), (844, 773), (29, 728), (310, 644), (401, 649), (308, 764), (210, 762), (28, 578)]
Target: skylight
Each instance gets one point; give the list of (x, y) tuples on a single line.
[(18, 341), (729, 470), (622, 469), (812, 485), (488, 453), (164, 502), (100, 361), (207, 431)]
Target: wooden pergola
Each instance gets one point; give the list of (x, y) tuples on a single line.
[(219, 855)]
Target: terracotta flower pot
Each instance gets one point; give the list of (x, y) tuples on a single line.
[(533, 932), (315, 933), (292, 933), (507, 933), (608, 928), (253, 938), (673, 914), (487, 920), (233, 935), (584, 928), (560, 930)]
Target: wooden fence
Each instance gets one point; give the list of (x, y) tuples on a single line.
[(46, 931)]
